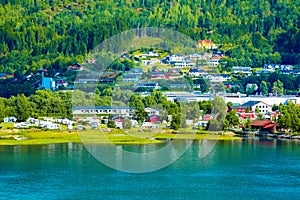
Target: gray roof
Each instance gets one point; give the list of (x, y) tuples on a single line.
[(251, 103)]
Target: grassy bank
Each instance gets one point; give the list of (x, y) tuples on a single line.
[(32, 137)]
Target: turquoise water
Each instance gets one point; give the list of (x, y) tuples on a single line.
[(249, 169)]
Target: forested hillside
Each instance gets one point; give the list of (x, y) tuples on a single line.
[(37, 34)]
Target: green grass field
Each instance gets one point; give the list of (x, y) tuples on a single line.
[(100, 137)]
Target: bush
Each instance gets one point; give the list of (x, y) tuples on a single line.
[(111, 124)]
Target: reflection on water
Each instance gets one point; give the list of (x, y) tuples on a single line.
[(139, 158), (254, 168)]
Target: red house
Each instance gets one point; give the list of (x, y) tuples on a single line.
[(240, 109), (248, 115), (206, 117), (206, 44), (264, 125), (153, 118)]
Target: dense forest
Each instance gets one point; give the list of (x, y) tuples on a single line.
[(37, 34)]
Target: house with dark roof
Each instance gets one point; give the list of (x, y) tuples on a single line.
[(262, 107), (149, 85), (290, 72), (136, 71), (182, 63), (197, 72), (130, 78)]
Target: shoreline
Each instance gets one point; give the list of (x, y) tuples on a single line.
[(117, 137)]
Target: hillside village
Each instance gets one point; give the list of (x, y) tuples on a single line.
[(186, 78)]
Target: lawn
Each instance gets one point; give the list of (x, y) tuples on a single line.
[(115, 136)]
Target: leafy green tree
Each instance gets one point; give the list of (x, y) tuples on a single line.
[(136, 101), (219, 108), (140, 115), (260, 116), (205, 106), (126, 124), (192, 110), (2, 108), (289, 117), (176, 121), (219, 111), (264, 88), (229, 104), (111, 124), (248, 123), (232, 118), (22, 107), (256, 110), (275, 107), (149, 101), (277, 87), (248, 109)]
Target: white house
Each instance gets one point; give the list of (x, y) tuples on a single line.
[(262, 106), (213, 62), (152, 111), (196, 72), (150, 61), (130, 78), (218, 77), (175, 57), (52, 126)]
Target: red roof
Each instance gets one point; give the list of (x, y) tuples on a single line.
[(204, 41), (260, 123), (270, 125)]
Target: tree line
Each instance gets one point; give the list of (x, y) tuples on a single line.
[(266, 83), (45, 103)]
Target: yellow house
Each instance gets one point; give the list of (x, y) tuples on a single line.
[(205, 44)]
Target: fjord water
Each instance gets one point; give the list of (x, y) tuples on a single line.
[(248, 169)]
